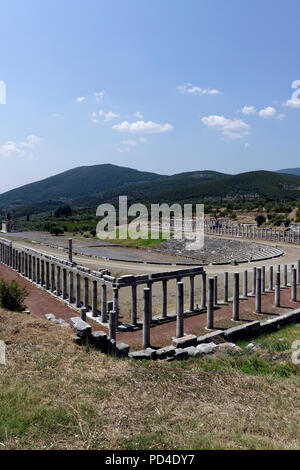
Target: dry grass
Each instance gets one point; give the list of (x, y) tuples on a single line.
[(56, 395)]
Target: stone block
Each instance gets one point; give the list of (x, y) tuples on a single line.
[(122, 350), (167, 351), (217, 336), (140, 355), (242, 331), (99, 340), (181, 354), (80, 327), (206, 348), (185, 341), (50, 316), (77, 340)]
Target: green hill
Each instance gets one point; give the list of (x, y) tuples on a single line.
[(290, 171)]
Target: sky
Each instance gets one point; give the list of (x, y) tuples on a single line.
[(163, 86)]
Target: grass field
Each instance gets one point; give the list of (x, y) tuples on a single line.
[(56, 395)]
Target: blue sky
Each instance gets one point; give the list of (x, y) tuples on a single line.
[(164, 86)]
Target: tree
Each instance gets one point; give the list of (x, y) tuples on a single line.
[(63, 211), (56, 230), (11, 296), (260, 219)]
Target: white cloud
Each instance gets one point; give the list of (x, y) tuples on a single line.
[(138, 115), (267, 112), (248, 110), (247, 145), (99, 95), (109, 116), (13, 149), (131, 143), (294, 101), (196, 90), (231, 128), (142, 127), (81, 99), (123, 149), (143, 140)]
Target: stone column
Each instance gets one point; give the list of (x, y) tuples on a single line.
[(83, 313), (71, 287), (70, 251), (47, 275), (146, 318), (254, 277), (245, 285), (210, 304), (20, 262), (226, 287), (38, 274), (236, 297), (271, 278), (203, 290), (95, 299), (86, 293), (216, 290), (165, 298), (103, 303), (149, 285), (294, 285), (30, 267), (292, 267), (179, 310), (258, 292), (263, 279), (134, 305), (113, 325), (285, 276), (192, 279), (116, 301), (58, 288), (77, 290), (277, 289), (33, 268), (64, 284), (52, 278), (298, 272)]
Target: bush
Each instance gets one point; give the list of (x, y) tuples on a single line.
[(11, 296), (56, 230), (260, 219)]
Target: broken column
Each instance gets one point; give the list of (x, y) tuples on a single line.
[(258, 292), (236, 297), (210, 304), (179, 310), (146, 318)]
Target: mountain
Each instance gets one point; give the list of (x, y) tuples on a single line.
[(290, 171), (75, 183), (87, 185), (260, 184)]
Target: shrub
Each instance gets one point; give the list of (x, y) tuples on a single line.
[(260, 219), (11, 296), (56, 230)]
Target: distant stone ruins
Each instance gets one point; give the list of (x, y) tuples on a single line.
[(9, 225)]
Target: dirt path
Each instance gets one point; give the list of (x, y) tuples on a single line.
[(40, 302)]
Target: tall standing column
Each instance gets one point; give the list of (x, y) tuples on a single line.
[(258, 292), (86, 293), (285, 276), (298, 272), (133, 305), (254, 276), (52, 277), (113, 325), (103, 303), (149, 285), (271, 278), (179, 310), (30, 267), (226, 287), (245, 285), (64, 284), (116, 301), (203, 290), (43, 273), (210, 304), (236, 297), (277, 289), (95, 299), (34, 268), (192, 283), (146, 318), (263, 279), (70, 251), (47, 275), (71, 287), (58, 289), (38, 275), (165, 298), (78, 290), (294, 285), (216, 290)]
